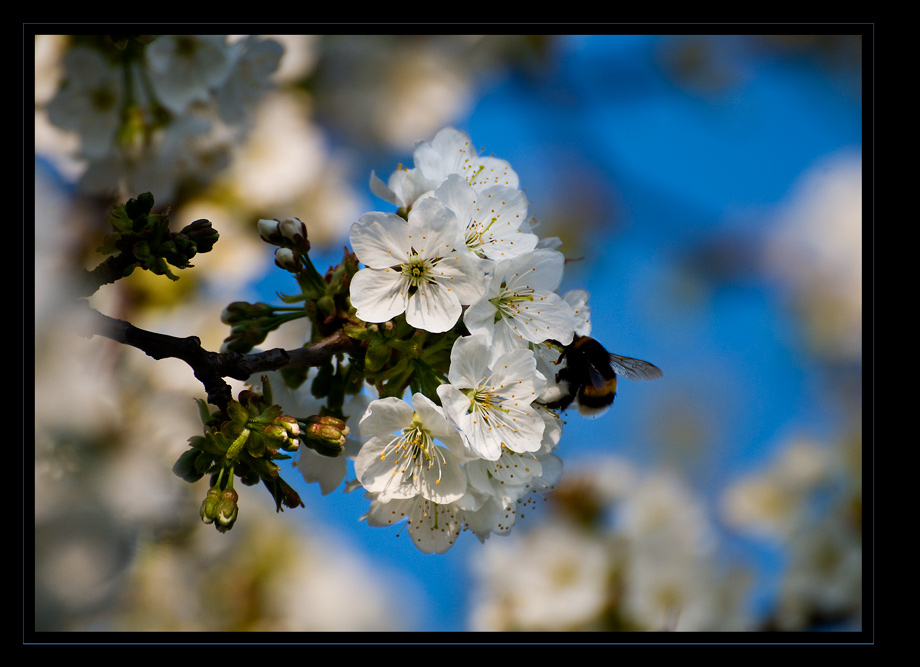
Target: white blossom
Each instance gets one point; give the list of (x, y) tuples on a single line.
[(450, 152), (497, 488), (418, 267), (187, 68), (403, 187), (255, 60), (520, 305), (492, 218), (492, 405), (432, 527), (551, 579), (410, 462), (90, 103)]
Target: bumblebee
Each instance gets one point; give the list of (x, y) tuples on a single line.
[(590, 376)]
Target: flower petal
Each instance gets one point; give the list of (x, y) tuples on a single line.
[(382, 190), (380, 240), (380, 472), (458, 196), (433, 308), (384, 417), (469, 362), (328, 471), (433, 528), (538, 270), (378, 295), (434, 230), (432, 416), (462, 274), (548, 316)]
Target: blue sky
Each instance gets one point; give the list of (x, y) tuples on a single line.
[(671, 172)]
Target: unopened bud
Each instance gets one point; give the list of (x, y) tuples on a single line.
[(286, 259), (241, 311), (227, 510), (268, 230), (202, 234), (290, 424), (209, 505), (283, 432), (140, 207), (275, 432), (325, 435), (295, 232), (243, 341), (378, 353)]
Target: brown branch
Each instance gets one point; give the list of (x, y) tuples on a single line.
[(108, 271), (212, 367)]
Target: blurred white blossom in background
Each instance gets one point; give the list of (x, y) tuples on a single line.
[(809, 503), (622, 549), (552, 578), (817, 253)]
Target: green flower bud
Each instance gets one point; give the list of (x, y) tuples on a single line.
[(209, 505), (275, 432), (284, 430), (244, 340), (202, 234), (140, 207), (325, 435), (377, 355), (226, 510), (234, 312), (280, 436)]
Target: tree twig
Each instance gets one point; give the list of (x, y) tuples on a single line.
[(212, 367)]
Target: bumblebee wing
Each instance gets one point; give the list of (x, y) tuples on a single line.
[(598, 381), (634, 369)]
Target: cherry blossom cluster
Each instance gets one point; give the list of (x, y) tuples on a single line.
[(459, 259)]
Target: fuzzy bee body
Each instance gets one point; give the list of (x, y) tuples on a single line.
[(590, 374)]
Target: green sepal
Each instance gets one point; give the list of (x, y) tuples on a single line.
[(238, 415), (203, 413), (291, 298)]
